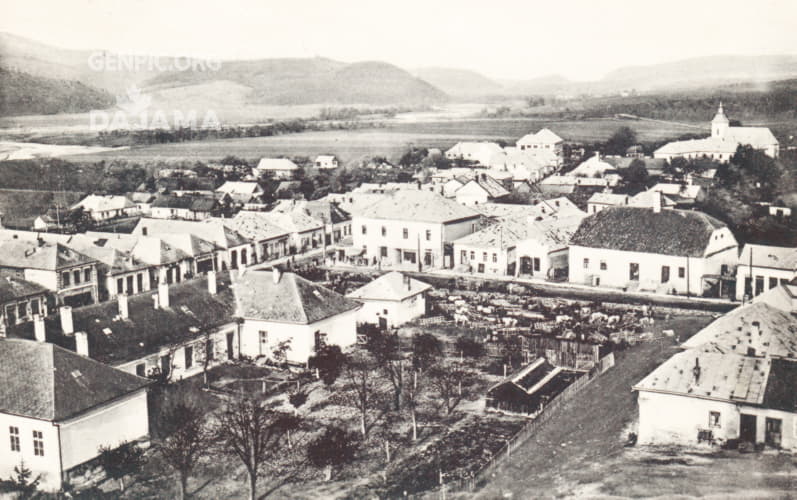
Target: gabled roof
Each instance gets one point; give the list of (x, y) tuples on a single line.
[(783, 297), (489, 185), (239, 187), (256, 226), (391, 286), (726, 377), (594, 166), (422, 206), (769, 256), (46, 256), (44, 381), (13, 288), (649, 199), (276, 164), (633, 229), (291, 299), (608, 199), (504, 234), (212, 230), (541, 136), (780, 393), (688, 191), (733, 332), (186, 202), (98, 203)]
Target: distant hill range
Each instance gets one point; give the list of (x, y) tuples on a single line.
[(237, 83), (460, 82)]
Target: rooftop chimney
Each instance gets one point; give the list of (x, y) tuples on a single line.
[(276, 274), (696, 371), (212, 283), (124, 312), (657, 202), (163, 294), (38, 328), (67, 326), (82, 343)]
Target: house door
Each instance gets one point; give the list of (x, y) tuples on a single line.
[(526, 265), (665, 274), (230, 350), (747, 428), (773, 432), (633, 271)]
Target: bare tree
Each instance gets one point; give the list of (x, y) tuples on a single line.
[(361, 384), (127, 458), (386, 350), (449, 380), (189, 439), (252, 432), (412, 395)]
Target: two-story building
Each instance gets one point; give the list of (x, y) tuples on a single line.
[(411, 229), (763, 267), (20, 300)]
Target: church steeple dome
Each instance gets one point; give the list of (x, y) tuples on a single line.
[(720, 123)]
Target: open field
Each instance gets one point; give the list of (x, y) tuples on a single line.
[(391, 141), (581, 451)]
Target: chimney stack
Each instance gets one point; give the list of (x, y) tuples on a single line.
[(163, 295), (276, 274), (67, 325), (82, 343), (38, 328), (212, 283), (696, 370), (124, 312), (657, 201)]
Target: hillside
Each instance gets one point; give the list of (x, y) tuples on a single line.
[(24, 94), (459, 82)]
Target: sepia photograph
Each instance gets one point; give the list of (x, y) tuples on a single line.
[(448, 250)]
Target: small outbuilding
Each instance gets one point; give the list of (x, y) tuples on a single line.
[(391, 300)]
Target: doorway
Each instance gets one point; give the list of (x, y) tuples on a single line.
[(747, 428), (773, 432)]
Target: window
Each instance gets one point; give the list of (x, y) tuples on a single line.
[(76, 276), (633, 271), (87, 274), (34, 306), (409, 257), (129, 284), (406, 233), (713, 419), (263, 337), (484, 256), (773, 282), (681, 272), (586, 263), (140, 281), (364, 230), (13, 433), (481, 268), (209, 354), (427, 258), (495, 257), (665, 274), (428, 235), (11, 315), (141, 370), (383, 251), (463, 256), (384, 231), (22, 310), (472, 255), (759, 284), (120, 285), (536, 263), (65, 278), (603, 265), (38, 443), (189, 356), (320, 340)]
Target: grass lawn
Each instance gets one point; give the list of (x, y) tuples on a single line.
[(580, 451)]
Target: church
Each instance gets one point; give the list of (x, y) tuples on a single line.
[(723, 142)]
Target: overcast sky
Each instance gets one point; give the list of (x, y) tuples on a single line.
[(499, 38)]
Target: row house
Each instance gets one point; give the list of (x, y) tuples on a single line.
[(305, 232), (762, 268), (665, 251), (412, 229), (270, 241), (104, 207), (20, 300), (70, 275), (186, 207), (337, 222), (491, 250)]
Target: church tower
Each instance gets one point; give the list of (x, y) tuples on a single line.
[(720, 123)]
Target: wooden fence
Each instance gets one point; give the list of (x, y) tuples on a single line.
[(470, 484)]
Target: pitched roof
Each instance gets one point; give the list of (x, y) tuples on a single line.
[(256, 226), (727, 377), (780, 393), (696, 146), (47, 256), (422, 206), (769, 256), (276, 164), (12, 288), (608, 199), (98, 203), (292, 299), (504, 234), (490, 186), (783, 297), (733, 332), (688, 191), (592, 167), (391, 286), (541, 136), (192, 310), (649, 199), (634, 229), (239, 187), (44, 381), (212, 230), (187, 202)]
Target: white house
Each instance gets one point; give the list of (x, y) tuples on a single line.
[(279, 168), (543, 140), (599, 201), (491, 250), (681, 194), (722, 143), (735, 381), (481, 189), (543, 253), (763, 267), (476, 152), (57, 408), (665, 251), (186, 207), (325, 161), (594, 167), (297, 314), (241, 192), (411, 228), (391, 300), (103, 207)]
